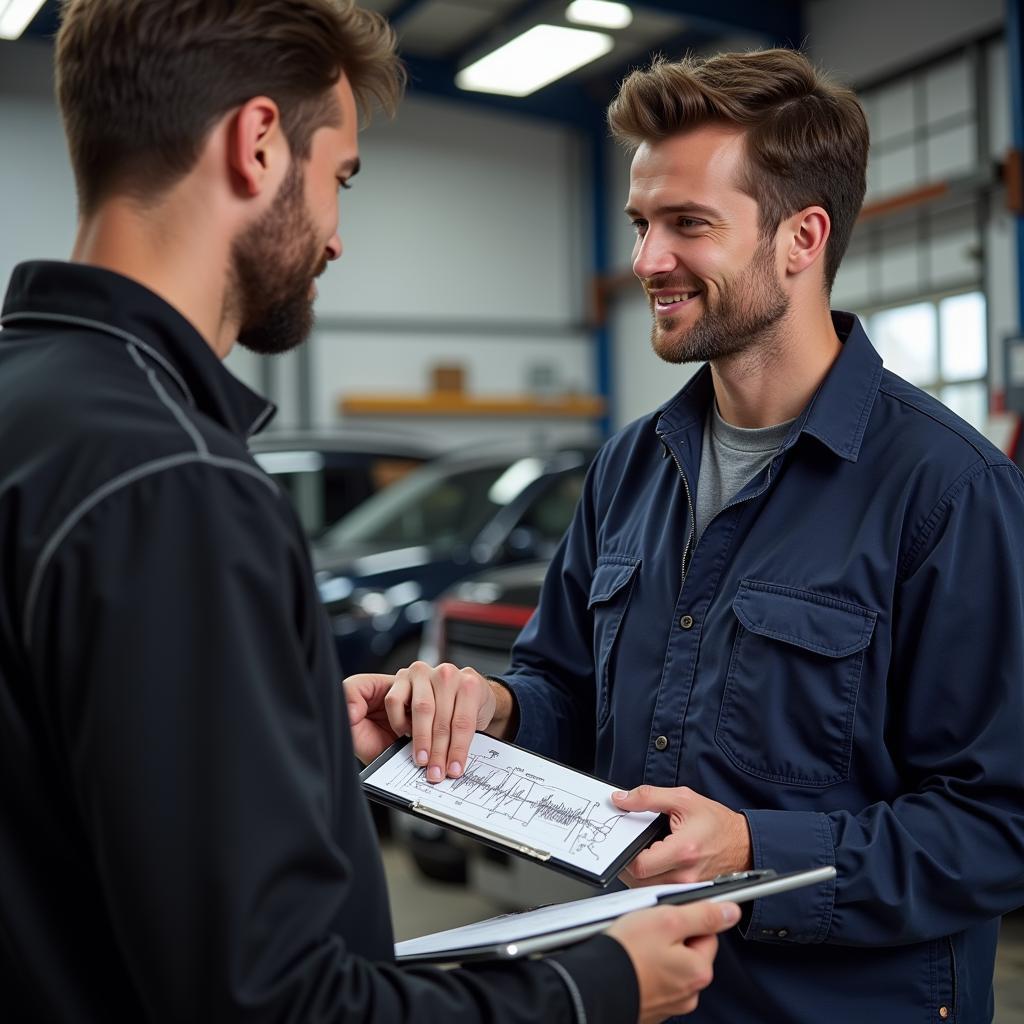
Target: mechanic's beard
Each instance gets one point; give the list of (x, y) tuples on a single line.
[(748, 310), (273, 263)]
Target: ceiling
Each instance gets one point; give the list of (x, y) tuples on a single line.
[(438, 37)]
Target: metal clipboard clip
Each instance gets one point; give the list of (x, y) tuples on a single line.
[(755, 875), (428, 811)]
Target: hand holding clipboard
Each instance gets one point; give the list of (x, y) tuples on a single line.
[(538, 931)]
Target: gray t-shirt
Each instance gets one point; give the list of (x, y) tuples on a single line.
[(730, 456)]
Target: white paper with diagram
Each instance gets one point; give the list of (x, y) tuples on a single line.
[(514, 799)]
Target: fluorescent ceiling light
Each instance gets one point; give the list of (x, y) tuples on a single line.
[(16, 15), (532, 60), (599, 13)]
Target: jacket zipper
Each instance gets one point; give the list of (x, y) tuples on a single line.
[(693, 514)]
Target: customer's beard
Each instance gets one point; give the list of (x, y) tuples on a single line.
[(748, 309), (273, 263)]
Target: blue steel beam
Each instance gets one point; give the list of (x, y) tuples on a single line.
[(46, 22), (601, 331), (604, 85), (565, 102), (779, 21), (403, 9), (506, 22), (579, 99)]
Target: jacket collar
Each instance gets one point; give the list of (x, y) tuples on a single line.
[(838, 413), (81, 297)]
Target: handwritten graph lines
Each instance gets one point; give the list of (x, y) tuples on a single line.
[(493, 790)]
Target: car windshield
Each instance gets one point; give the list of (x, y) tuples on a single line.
[(438, 506)]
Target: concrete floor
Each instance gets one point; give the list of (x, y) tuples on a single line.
[(419, 906)]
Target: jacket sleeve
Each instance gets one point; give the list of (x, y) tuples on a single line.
[(946, 852), (551, 673), (171, 644)]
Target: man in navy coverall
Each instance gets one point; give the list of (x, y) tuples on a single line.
[(790, 608)]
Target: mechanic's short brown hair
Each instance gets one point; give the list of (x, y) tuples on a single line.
[(141, 82), (806, 136)]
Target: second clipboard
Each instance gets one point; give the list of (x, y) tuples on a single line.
[(526, 935)]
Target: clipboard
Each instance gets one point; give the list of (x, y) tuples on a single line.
[(423, 806), (525, 939)]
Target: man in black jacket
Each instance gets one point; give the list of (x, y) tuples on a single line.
[(182, 832)]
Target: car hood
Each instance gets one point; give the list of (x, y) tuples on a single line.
[(359, 560), (510, 584)]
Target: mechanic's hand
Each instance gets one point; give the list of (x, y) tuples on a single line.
[(440, 707), (672, 949), (367, 715), (707, 838)]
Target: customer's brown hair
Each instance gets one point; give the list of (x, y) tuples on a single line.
[(806, 137), (141, 82)]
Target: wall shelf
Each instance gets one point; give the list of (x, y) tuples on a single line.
[(455, 404)]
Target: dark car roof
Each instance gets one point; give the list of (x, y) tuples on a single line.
[(338, 555)]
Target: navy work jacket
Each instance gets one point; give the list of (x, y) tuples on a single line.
[(840, 657)]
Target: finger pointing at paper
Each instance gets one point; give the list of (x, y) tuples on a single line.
[(440, 707), (707, 839)]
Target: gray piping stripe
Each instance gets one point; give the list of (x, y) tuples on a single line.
[(176, 411), (110, 487), (260, 420), (98, 325), (574, 992)]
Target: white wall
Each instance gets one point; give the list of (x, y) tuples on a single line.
[(463, 241), (870, 38), (37, 192)]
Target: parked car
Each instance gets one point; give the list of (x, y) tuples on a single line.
[(381, 566), (329, 474), (476, 622)]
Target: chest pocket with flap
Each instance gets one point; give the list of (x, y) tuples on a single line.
[(790, 698), (610, 590)]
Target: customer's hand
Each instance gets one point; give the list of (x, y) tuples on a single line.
[(672, 949), (441, 707), (707, 838), (367, 715)]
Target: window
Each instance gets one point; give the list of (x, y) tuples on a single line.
[(924, 124), (941, 346), (442, 506), (552, 512)]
